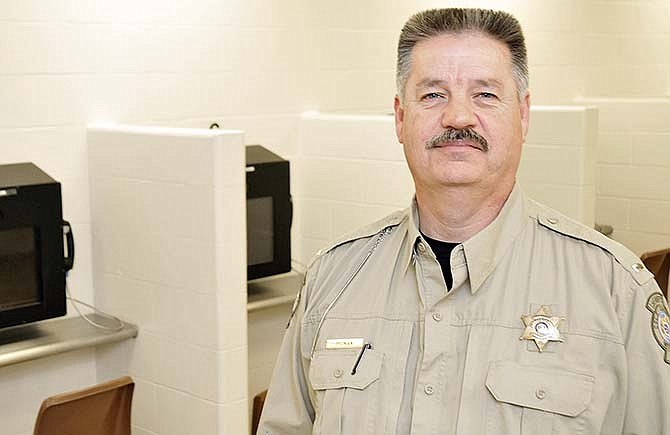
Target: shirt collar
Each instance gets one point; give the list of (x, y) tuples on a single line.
[(412, 234), (484, 250)]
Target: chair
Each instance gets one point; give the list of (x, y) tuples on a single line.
[(103, 409), (259, 401), (658, 263)]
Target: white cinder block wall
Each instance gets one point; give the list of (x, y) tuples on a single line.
[(627, 76), (256, 64), (558, 160), (25, 385), (169, 255), (633, 176), (65, 64), (365, 176)]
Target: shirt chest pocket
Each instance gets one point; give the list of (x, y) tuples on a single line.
[(531, 400), (345, 401)]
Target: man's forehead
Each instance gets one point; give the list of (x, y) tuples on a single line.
[(481, 56), (428, 82), (475, 46)]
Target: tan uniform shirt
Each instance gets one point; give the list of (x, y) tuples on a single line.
[(453, 362)]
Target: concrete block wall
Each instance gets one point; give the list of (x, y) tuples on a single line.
[(351, 171), (633, 174), (558, 162), (625, 49), (25, 385), (65, 64), (169, 255), (256, 64), (354, 53), (627, 77)]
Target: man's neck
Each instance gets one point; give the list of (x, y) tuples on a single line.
[(457, 214)]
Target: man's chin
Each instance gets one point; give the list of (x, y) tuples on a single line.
[(458, 179)]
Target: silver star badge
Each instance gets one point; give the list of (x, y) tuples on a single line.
[(541, 327)]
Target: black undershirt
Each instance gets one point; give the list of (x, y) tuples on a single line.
[(442, 251)]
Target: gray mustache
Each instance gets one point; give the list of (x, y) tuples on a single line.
[(452, 135)]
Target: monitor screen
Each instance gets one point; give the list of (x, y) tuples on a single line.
[(260, 230), (19, 268)]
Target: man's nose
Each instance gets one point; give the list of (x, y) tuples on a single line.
[(458, 114)]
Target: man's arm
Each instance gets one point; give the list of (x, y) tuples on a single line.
[(288, 408), (646, 332)]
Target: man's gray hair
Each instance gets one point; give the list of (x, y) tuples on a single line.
[(498, 25)]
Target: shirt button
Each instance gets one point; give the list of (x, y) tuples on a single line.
[(437, 316), (638, 267), (552, 221), (338, 373), (421, 247), (428, 389), (540, 394)]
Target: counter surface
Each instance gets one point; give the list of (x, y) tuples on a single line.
[(272, 291), (50, 337)]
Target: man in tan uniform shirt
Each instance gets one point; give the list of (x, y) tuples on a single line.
[(548, 327)]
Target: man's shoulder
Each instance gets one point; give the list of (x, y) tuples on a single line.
[(365, 232), (564, 226), (340, 259)]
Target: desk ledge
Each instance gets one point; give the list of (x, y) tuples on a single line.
[(50, 337)]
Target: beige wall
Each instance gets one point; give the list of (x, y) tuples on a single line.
[(627, 76), (577, 48), (256, 64)]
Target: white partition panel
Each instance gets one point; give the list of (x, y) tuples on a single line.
[(168, 224), (558, 163)]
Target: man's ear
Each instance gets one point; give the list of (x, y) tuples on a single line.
[(525, 114), (399, 117)]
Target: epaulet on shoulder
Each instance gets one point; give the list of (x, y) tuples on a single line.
[(364, 232), (555, 221)]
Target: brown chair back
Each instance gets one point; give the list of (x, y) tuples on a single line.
[(257, 410), (103, 409), (658, 263)]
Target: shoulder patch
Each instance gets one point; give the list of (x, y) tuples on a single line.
[(367, 231), (555, 221), (660, 323)]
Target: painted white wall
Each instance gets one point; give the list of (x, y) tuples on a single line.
[(633, 173), (558, 161), (25, 385), (256, 64), (65, 64)]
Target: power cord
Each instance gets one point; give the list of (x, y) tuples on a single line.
[(99, 312)]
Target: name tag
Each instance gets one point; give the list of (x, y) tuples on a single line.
[(345, 343)]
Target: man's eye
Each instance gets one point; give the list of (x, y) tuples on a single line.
[(487, 95), (431, 96)]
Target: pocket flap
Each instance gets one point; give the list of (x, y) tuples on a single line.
[(545, 388), (332, 369)]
